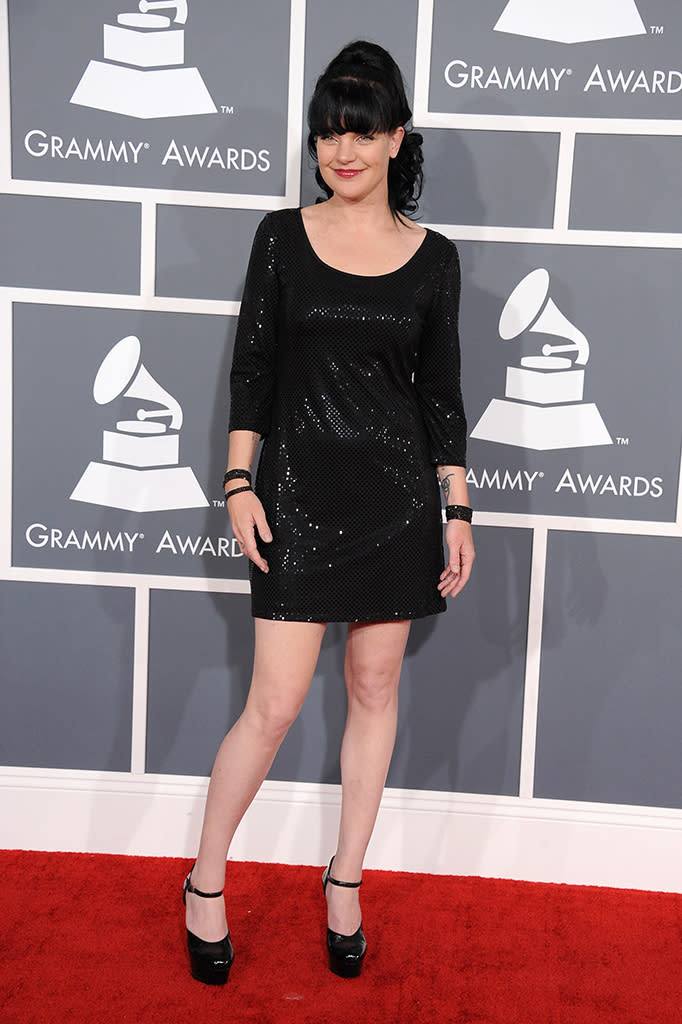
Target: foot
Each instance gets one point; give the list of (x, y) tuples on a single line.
[(205, 918), (343, 909)]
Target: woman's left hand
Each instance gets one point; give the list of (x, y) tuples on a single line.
[(461, 554)]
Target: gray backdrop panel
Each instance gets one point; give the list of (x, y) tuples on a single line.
[(625, 302), (609, 723), (627, 183), (103, 241), (66, 662), (200, 656), (462, 689), (203, 253), (51, 47), (573, 72), (501, 178), (461, 704), (58, 431)]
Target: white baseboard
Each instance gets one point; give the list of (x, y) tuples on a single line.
[(296, 823)]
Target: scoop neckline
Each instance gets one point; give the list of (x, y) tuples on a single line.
[(348, 273)]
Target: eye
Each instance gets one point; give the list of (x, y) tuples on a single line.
[(365, 138), (327, 137)]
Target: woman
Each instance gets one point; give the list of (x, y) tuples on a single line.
[(347, 363)]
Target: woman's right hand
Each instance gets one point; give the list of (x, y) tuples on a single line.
[(246, 516)]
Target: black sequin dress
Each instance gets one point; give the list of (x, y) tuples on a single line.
[(353, 381)]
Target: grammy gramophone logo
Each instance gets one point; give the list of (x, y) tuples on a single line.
[(571, 21), (142, 74), (543, 405), (140, 470)]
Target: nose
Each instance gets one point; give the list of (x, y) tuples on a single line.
[(345, 152)]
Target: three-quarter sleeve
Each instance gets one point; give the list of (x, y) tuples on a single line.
[(252, 376), (437, 374)]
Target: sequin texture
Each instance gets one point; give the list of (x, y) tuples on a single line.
[(354, 384)]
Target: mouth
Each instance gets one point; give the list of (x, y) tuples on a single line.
[(346, 172)]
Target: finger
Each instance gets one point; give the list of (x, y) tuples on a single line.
[(455, 589), (244, 534), (262, 527), (251, 551), (452, 589), (451, 583), (257, 559), (450, 570), (465, 574), (249, 547), (448, 581)]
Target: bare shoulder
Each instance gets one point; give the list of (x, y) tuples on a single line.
[(313, 214), (415, 230), (411, 235)]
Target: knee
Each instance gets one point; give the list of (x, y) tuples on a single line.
[(271, 717), (373, 689)]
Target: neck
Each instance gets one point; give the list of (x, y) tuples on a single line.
[(368, 213)]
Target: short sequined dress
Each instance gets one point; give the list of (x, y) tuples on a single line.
[(354, 384)]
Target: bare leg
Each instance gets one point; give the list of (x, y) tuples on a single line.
[(284, 662), (374, 656)]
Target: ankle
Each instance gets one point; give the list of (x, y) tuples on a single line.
[(347, 873), (207, 880)]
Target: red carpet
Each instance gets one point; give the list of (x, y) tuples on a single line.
[(93, 939)]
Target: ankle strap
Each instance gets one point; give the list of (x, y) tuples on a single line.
[(334, 881), (346, 885), (197, 892)]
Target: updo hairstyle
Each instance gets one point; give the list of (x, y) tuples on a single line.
[(362, 91)]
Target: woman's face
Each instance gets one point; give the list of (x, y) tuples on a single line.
[(355, 166)]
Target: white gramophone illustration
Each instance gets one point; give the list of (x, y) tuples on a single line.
[(140, 471), (142, 73), (543, 407), (571, 21)]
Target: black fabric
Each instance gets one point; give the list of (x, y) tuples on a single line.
[(354, 383)]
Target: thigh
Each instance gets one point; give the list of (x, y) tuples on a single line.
[(285, 656), (376, 648)]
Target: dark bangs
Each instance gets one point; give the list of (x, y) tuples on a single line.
[(348, 104)]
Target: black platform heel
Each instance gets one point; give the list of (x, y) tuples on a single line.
[(210, 962), (346, 952)]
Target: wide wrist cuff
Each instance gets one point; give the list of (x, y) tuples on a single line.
[(462, 512)]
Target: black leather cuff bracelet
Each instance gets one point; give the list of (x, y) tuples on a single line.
[(462, 512), (237, 474), (237, 490)]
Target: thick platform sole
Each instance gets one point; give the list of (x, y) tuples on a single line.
[(344, 969), (201, 971)]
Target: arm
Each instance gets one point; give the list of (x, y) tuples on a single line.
[(252, 386), (437, 380), (245, 509), (458, 538), (437, 371), (252, 377)]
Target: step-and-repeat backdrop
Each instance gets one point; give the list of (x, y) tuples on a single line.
[(141, 145)]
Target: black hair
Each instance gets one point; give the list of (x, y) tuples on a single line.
[(362, 90)]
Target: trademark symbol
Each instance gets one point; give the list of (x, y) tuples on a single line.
[(624, 441), (146, 145), (226, 110), (657, 30), (541, 474), (217, 504), (141, 536), (569, 71)]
